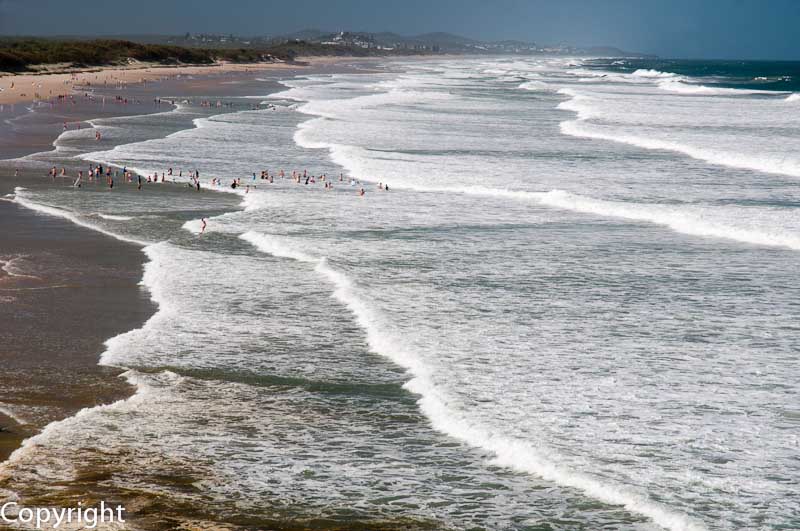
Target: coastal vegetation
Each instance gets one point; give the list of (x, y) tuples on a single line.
[(26, 54)]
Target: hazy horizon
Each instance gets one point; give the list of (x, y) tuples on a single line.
[(681, 29)]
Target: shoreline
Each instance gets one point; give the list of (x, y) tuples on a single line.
[(27, 224), (66, 289)]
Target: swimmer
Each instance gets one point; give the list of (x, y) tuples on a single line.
[(203, 229)]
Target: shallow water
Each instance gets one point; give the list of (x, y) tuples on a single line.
[(575, 308)]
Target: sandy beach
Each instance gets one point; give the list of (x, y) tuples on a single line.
[(44, 85)]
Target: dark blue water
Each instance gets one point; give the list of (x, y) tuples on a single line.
[(752, 75)]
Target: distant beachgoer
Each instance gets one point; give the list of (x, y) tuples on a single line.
[(361, 192), (203, 229)]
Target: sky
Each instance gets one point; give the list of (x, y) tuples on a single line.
[(723, 29)]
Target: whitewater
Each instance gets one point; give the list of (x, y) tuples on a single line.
[(575, 307)]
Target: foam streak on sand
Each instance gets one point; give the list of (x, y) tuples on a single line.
[(22, 198)]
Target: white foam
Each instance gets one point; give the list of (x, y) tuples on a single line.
[(434, 402), (5, 410), (535, 86), (11, 270), (113, 217), (793, 97), (335, 108), (715, 222), (587, 108), (771, 228), (653, 74), (580, 128), (153, 279), (682, 86)]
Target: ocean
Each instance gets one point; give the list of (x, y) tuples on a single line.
[(575, 307)]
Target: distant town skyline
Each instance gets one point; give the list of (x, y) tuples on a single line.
[(725, 29)]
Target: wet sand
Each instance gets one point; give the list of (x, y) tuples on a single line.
[(64, 291)]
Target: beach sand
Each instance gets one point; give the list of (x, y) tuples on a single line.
[(27, 87)]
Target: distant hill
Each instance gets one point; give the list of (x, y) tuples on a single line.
[(441, 42)]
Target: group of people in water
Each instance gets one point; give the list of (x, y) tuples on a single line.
[(298, 178), (97, 173)]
